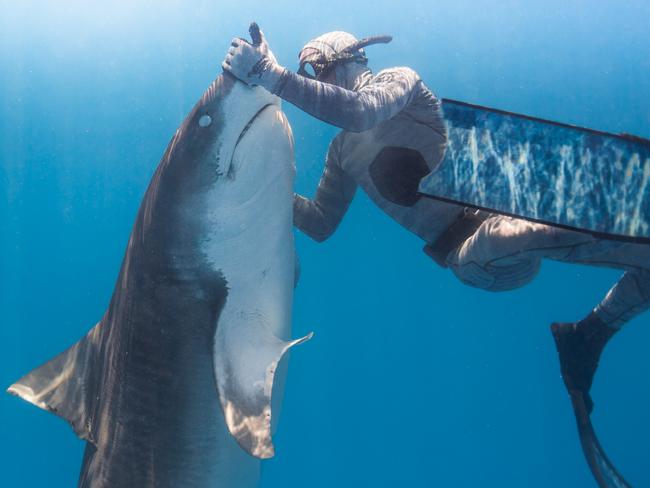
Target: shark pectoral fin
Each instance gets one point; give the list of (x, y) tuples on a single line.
[(245, 362), (60, 386)]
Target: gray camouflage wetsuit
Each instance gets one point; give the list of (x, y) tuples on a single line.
[(395, 108)]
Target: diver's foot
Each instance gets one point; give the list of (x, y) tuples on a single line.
[(580, 346)]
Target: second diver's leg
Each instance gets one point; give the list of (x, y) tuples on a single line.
[(581, 344)]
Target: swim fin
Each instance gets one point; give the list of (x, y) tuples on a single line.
[(544, 171), (601, 467), (579, 347)]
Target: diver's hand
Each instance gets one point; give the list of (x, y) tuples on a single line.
[(253, 64)]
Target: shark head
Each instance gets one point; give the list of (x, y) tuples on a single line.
[(252, 156)]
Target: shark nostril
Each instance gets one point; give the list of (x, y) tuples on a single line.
[(205, 120)]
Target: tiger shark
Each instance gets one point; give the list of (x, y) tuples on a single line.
[(177, 383)]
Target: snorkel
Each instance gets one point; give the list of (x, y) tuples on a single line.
[(313, 57)]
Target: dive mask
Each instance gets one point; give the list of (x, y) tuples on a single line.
[(316, 64)]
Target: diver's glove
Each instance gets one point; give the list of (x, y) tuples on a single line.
[(254, 63)]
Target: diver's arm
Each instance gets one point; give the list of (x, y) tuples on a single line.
[(385, 96), (319, 218)]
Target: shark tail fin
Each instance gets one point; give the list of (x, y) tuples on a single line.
[(61, 385), (245, 364)]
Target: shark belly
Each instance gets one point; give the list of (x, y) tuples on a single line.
[(259, 272)]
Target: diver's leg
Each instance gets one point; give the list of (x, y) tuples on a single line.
[(581, 344), (627, 299), (505, 253)]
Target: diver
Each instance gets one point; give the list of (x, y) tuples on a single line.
[(392, 120)]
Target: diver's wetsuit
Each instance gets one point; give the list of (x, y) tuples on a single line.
[(392, 108), (395, 108), (394, 133), (505, 253)]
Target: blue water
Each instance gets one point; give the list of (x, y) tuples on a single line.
[(412, 378)]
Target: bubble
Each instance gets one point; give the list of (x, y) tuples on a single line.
[(205, 120)]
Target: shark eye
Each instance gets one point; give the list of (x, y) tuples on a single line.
[(205, 120)]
